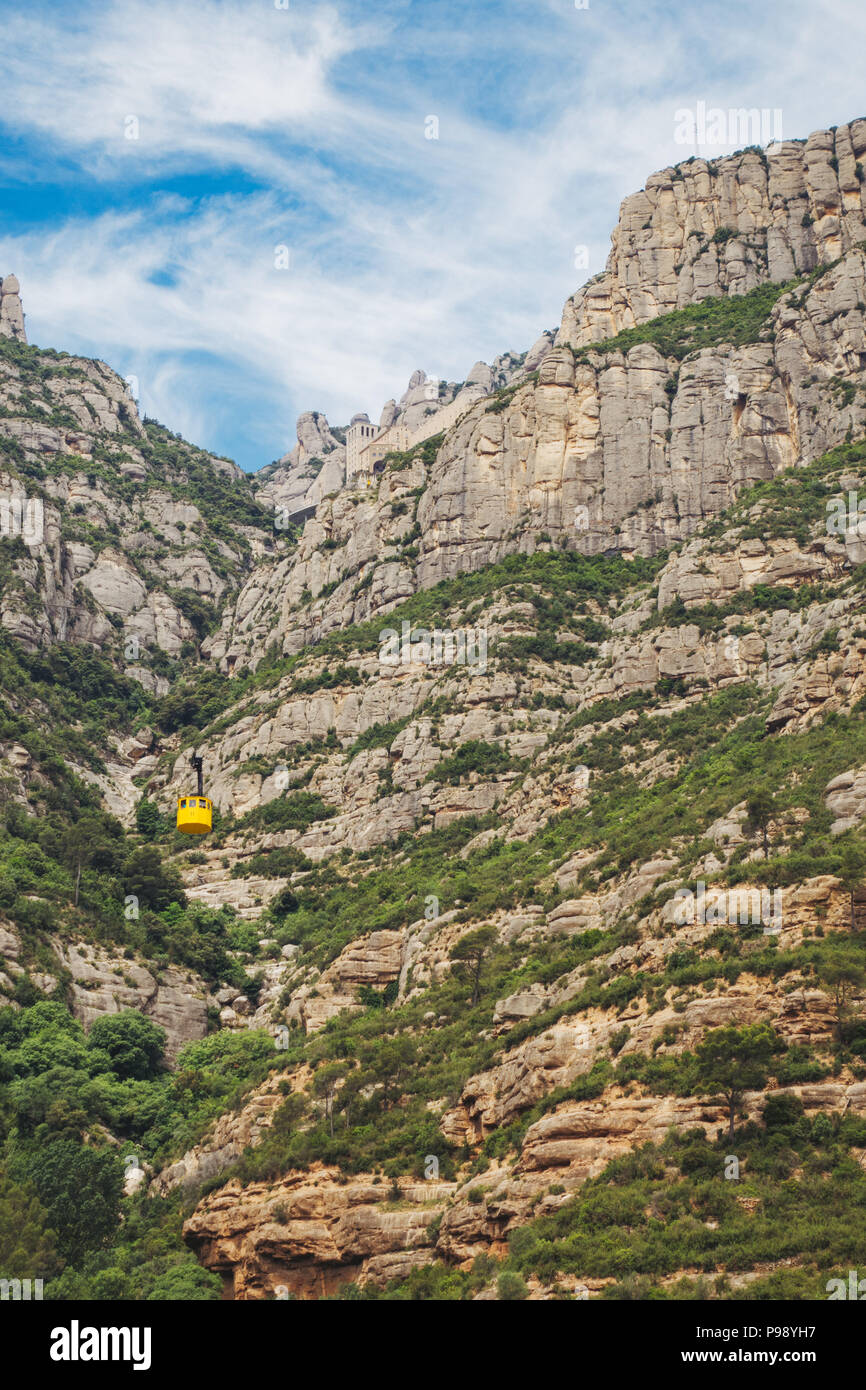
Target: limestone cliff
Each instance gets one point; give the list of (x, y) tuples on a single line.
[(631, 445), (99, 505), (720, 227)]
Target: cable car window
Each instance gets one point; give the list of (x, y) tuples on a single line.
[(203, 804), (183, 805)]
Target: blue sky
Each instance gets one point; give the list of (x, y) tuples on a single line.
[(258, 126)]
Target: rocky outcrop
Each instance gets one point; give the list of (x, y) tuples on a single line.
[(557, 1056), (315, 467), (230, 1135), (627, 451), (631, 450), (308, 1234), (700, 229), (11, 312), (713, 227), (845, 798), (110, 535), (584, 1138), (105, 984), (13, 967), (374, 961), (63, 590)]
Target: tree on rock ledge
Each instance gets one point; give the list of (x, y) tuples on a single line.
[(470, 951), (732, 1061)]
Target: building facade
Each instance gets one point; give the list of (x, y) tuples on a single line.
[(366, 445)]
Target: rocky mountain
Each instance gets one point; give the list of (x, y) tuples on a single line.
[(526, 956), (316, 467), (722, 227), (729, 346), (128, 538)]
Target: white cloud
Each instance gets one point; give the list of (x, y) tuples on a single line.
[(189, 74)]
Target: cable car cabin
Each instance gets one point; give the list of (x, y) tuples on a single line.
[(194, 815)]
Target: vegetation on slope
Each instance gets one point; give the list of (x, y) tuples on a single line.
[(66, 868)]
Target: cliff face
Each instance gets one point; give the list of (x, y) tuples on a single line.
[(721, 227), (629, 450), (100, 507), (701, 229), (310, 1234), (632, 449)]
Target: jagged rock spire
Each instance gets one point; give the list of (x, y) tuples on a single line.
[(11, 313)]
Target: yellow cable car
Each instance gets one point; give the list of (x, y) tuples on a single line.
[(195, 813)]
